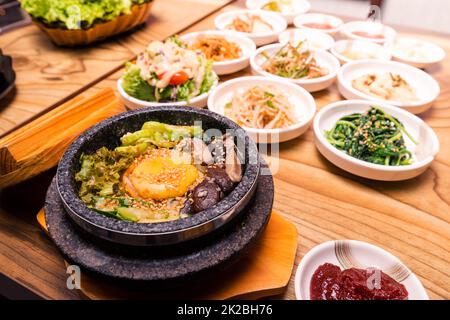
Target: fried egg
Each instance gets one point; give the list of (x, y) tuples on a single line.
[(159, 176)]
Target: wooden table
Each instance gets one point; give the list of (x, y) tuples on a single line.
[(410, 219)]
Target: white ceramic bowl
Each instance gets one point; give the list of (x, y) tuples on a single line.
[(366, 50), (288, 11), (301, 100), (277, 22), (333, 21), (133, 103), (352, 253), (416, 52), (247, 46), (323, 58), (426, 87), (423, 153), (316, 40), (370, 27)]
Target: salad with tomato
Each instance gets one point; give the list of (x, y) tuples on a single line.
[(168, 72)]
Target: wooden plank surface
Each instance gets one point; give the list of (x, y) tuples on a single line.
[(46, 74), (410, 219)]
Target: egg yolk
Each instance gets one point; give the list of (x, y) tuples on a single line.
[(159, 178)]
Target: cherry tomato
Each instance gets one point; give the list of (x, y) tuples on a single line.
[(179, 77)]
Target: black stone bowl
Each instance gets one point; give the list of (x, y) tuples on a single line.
[(107, 133)]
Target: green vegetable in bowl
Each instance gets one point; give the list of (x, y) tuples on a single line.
[(373, 136), (168, 72), (77, 14), (159, 134)]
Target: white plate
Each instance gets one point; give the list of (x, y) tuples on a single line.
[(348, 28), (301, 100), (427, 89), (276, 21), (423, 153), (247, 46), (133, 103), (315, 40), (352, 253), (428, 53), (333, 21), (323, 58), (289, 9), (367, 49)]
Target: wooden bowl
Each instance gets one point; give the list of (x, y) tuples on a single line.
[(100, 31)]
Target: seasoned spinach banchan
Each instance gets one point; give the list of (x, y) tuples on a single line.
[(160, 173), (373, 136)]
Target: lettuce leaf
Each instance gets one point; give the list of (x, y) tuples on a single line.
[(135, 86), (210, 78), (77, 14)]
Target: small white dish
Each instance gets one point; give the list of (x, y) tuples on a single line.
[(351, 29), (133, 103), (289, 8), (425, 86), (416, 52), (423, 153), (247, 46), (360, 49), (302, 21), (316, 40), (352, 253), (323, 58), (301, 100), (277, 22)]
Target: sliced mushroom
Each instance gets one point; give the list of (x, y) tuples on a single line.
[(205, 195), (201, 152), (188, 207), (196, 149), (232, 164), (221, 178)]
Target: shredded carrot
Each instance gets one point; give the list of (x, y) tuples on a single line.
[(217, 48)]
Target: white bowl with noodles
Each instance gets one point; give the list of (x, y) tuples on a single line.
[(277, 24), (323, 58), (369, 31), (317, 21), (426, 88), (423, 153), (355, 254), (417, 52), (245, 44), (134, 103), (288, 8), (302, 102), (351, 50), (315, 40)]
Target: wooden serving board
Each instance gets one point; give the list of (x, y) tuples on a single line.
[(39, 145), (264, 271)]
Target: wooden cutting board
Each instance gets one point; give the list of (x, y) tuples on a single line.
[(264, 271)]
